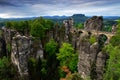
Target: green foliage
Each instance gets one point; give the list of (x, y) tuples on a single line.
[(92, 39), (52, 63), (62, 74), (32, 68), (80, 26), (115, 40), (113, 63), (8, 24), (9, 47), (67, 57), (49, 24), (101, 40), (7, 70), (75, 76), (109, 22), (1, 32), (40, 26), (107, 28), (108, 25), (37, 69), (37, 30), (113, 67), (51, 47), (21, 26)]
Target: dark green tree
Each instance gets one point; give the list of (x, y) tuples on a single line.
[(52, 70), (67, 57), (7, 70), (113, 67), (37, 30), (113, 64), (8, 24)]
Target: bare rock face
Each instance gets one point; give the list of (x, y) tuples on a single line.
[(93, 52), (84, 61), (22, 49), (91, 61), (21, 53), (68, 25), (100, 65), (114, 28), (94, 23)]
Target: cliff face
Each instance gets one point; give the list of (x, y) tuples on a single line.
[(91, 59), (94, 23), (21, 49)]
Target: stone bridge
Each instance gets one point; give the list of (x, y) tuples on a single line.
[(94, 32), (97, 33)]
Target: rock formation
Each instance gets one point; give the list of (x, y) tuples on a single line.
[(91, 59), (21, 49), (114, 28), (68, 25), (94, 23)]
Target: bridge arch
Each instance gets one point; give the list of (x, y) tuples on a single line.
[(102, 39)]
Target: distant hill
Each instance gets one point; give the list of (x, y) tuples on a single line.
[(78, 18), (112, 17), (55, 17)]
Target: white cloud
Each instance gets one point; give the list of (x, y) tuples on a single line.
[(64, 8)]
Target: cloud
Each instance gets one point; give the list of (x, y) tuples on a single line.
[(27, 8), (6, 3)]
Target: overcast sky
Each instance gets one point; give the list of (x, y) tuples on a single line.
[(30, 8)]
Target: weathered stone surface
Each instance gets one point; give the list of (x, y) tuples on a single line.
[(100, 65), (94, 49), (84, 53), (114, 28), (91, 61), (21, 49), (94, 23), (68, 25)]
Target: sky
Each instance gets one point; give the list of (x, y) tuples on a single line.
[(35, 8)]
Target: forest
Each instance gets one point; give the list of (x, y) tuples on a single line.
[(59, 58)]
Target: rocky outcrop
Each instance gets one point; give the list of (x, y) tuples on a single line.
[(114, 28), (84, 61), (91, 60), (21, 49), (100, 64), (94, 23)]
